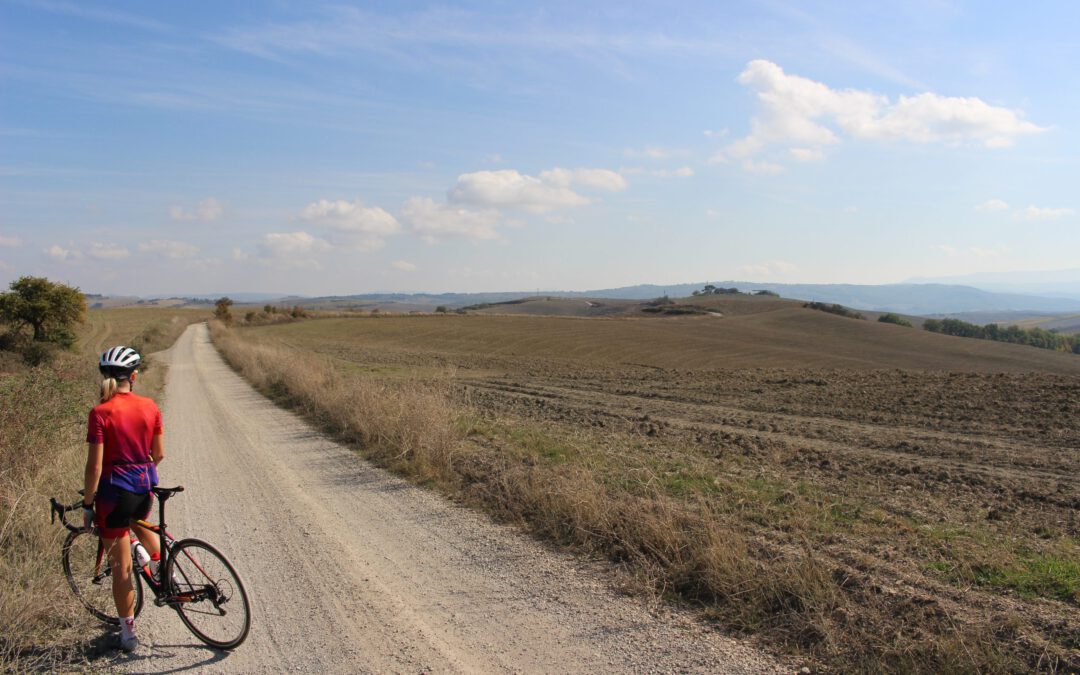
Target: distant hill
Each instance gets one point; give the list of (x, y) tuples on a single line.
[(908, 298), (1051, 284)]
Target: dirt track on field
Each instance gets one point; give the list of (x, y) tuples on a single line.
[(352, 570)]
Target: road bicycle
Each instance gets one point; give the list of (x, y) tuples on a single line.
[(193, 578)]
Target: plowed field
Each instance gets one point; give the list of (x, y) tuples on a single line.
[(935, 478)]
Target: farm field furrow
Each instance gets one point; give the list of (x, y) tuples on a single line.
[(952, 492)]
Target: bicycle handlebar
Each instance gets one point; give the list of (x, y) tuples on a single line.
[(58, 509)]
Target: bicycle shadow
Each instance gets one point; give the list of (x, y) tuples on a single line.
[(104, 650)]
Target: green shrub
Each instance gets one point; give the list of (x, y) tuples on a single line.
[(894, 318), (839, 310)]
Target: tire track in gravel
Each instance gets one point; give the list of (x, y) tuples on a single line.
[(350, 569)]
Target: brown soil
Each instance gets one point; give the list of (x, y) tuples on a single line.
[(934, 483)]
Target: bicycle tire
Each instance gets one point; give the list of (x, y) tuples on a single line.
[(207, 593), (90, 581)]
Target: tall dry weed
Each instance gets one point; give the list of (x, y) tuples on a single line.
[(42, 453), (42, 417)]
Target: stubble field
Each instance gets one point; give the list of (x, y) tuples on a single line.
[(913, 496)]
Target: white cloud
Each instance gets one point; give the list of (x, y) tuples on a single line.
[(356, 226), (240, 255), (971, 251), (174, 250), (57, 252), (763, 167), (772, 268), (209, 209), (285, 245), (994, 252), (509, 189), (432, 220), (992, 205), (107, 252), (550, 190), (1033, 213), (681, 172), (808, 116), (598, 179), (10, 242), (652, 152), (807, 154), (403, 265)]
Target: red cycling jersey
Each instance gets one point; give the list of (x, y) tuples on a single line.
[(126, 425)]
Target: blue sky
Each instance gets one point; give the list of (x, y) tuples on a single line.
[(311, 148)]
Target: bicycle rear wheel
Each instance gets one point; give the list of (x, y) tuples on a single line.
[(86, 567), (207, 594)]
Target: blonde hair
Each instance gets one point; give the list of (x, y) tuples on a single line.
[(109, 387)]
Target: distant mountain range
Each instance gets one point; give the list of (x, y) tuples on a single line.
[(920, 299), (1053, 284), (990, 296)]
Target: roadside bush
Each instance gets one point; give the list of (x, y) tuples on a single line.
[(894, 318)]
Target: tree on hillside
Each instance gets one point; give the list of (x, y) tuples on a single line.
[(49, 309), (221, 310)]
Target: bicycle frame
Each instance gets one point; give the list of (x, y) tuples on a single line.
[(165, 540)]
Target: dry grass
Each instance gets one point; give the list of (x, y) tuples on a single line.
[(676, 522), (42, 426)]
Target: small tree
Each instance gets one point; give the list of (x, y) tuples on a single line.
[(890, 317), (49, 309), (441, 309), (221, 310)]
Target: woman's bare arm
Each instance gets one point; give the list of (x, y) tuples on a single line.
[(157, 449), (93, 470)]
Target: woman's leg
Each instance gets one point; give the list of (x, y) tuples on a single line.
[(123, 585), (149, 540)]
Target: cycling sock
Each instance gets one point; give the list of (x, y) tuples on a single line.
[(155, 562), (127, 626)]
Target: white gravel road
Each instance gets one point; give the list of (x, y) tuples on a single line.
[(352, 570)]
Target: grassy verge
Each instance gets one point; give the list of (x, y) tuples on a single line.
[(750, 548), (42, 427)]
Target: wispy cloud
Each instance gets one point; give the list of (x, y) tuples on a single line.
[(403, 266), (992, 205), (1036, 213), (10, 242), (107, 252), (770, 269), (174, 250), (207, 210), (84, 10), (292, 250)]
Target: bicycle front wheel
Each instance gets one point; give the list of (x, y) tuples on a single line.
[(86, 567), (207, 594)]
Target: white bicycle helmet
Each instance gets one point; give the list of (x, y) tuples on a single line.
[(119, 362)]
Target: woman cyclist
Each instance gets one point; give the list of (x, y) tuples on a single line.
[(124, 438)]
